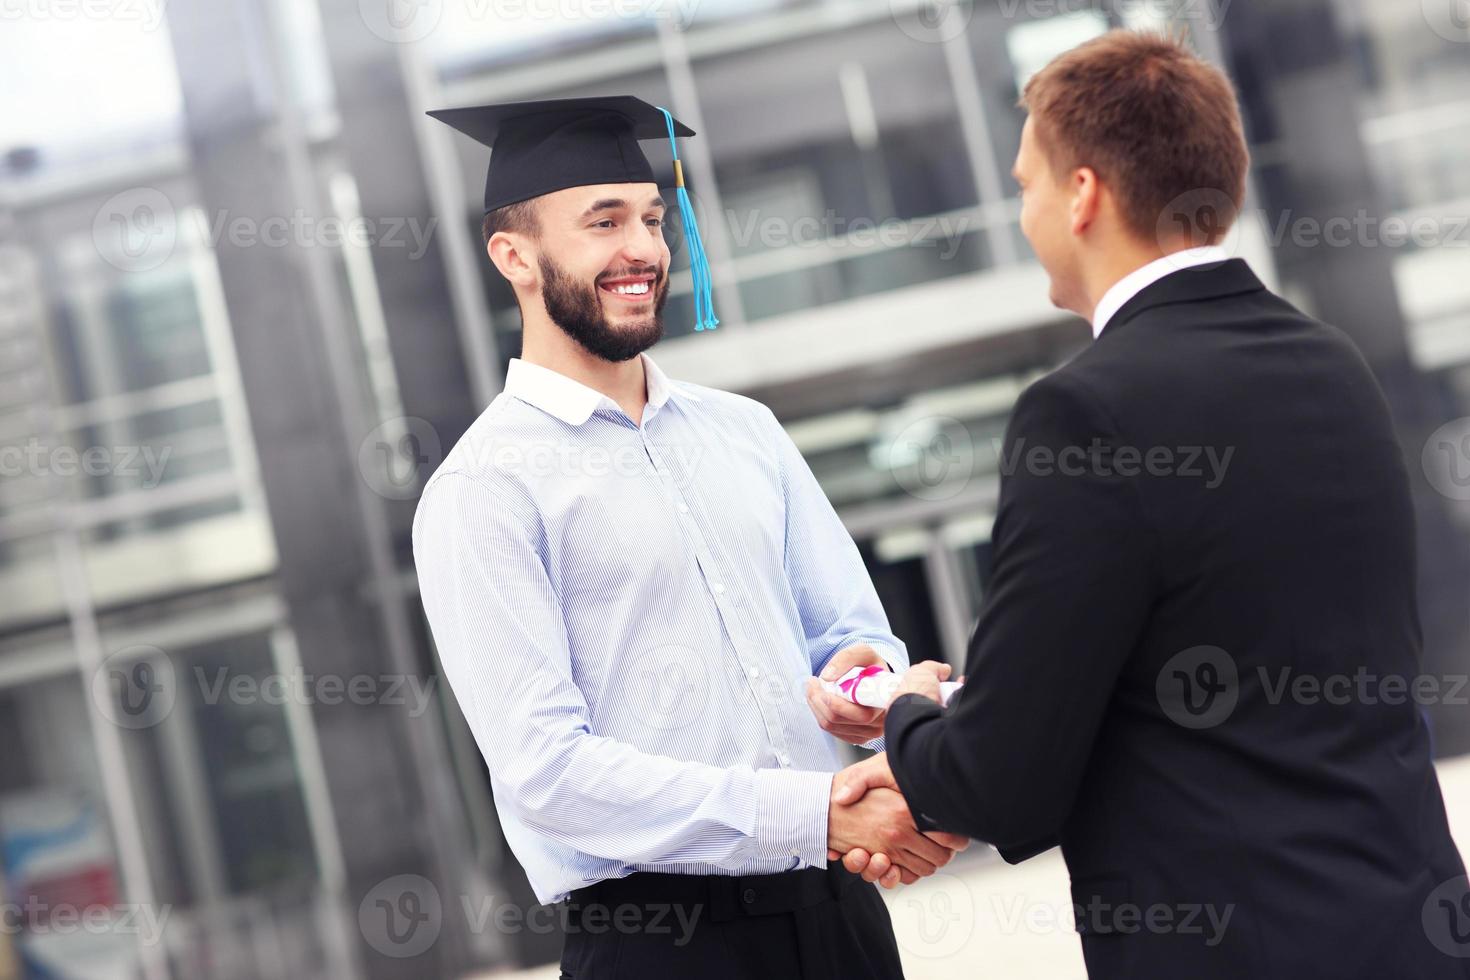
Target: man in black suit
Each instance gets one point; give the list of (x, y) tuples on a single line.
[(1196, 665)]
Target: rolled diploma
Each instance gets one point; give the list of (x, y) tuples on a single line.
[(873, 686)]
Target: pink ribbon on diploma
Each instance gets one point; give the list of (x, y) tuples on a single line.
[(849, 684)]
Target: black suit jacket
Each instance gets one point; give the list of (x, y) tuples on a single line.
[(1204, 517)]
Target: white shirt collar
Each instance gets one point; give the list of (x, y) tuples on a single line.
[(1146, 275), (573, 402)]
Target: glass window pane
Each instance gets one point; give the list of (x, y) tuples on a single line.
[(57, 854), (215, 763), (833, 152), (29, 578), (134, 422)]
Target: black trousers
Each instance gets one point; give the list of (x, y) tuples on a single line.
[(812, 924)]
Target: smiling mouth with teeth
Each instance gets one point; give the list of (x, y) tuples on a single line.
[(631, 289)]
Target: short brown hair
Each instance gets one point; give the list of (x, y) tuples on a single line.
[(518, 218), (1156, 123)]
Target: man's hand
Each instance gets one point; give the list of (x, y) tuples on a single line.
[(850, 722), (880, 823), (902, 854), (872, 773), (924, 679)]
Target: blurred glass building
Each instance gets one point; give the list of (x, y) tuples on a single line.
[(244, 311)]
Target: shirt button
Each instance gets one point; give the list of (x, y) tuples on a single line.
[(719, 588), (749, 896), (683, 508), (755, 672), (784, 760)]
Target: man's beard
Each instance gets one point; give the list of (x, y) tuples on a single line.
[(577, 309)]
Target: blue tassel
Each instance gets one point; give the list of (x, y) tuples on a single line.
[(704, 301)]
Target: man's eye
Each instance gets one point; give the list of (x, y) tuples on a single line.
[(655, 222), (606, 223)]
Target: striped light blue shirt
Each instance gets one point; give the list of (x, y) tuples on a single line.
[(628, 614)]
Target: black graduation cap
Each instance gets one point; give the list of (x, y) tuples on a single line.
[(545, 146), (552, 144)]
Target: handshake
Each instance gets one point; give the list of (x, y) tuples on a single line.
[(869, 825)]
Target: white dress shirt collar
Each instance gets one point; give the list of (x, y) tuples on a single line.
[(573, 402), (1146, 275)]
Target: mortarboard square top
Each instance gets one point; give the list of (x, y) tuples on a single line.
[(540, 147)]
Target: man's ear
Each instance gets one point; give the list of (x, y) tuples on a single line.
[(1086, 199), (512, 256)]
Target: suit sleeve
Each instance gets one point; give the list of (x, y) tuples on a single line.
[(1071, 588)]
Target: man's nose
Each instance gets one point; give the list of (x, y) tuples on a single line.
[(643, 245)]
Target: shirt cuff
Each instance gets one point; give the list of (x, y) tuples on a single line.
[(791, 815)]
